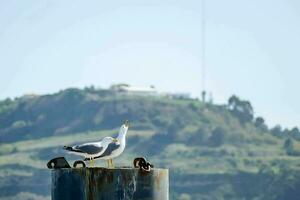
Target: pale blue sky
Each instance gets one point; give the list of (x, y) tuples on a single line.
[(252, 49)]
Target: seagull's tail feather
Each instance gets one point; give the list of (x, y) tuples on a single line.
[(68, 148)]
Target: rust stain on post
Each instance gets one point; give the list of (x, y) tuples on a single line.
[(103, 183)]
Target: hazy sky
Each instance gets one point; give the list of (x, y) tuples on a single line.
[(252, 49)]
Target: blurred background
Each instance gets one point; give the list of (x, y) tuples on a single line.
[(210, 88)]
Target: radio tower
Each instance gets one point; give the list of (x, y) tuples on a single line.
[(203, 93)]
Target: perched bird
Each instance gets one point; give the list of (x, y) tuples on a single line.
[(114, 149), (91, 149), (106, 149)]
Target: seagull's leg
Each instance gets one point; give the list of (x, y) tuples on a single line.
[(111, 162), (113, 166)]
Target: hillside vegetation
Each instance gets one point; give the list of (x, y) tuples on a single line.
[(212, 151)]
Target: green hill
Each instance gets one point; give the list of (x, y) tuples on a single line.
[(212, 151)]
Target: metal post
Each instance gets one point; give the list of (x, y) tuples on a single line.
[(110, 184)]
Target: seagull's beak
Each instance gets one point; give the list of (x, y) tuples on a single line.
[(127, 124)]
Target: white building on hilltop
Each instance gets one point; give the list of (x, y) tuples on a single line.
[(134, 90)]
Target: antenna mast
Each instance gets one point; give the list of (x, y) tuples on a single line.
[(203, 93)]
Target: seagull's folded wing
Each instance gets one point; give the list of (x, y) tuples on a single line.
[(89, 148), (109, 150)]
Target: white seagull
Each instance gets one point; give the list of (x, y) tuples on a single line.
[(91, 149), (106, 149), (114, 149)]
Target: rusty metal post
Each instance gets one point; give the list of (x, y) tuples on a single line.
[(109, 184)]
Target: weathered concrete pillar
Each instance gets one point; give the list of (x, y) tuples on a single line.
[(109, 184)]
